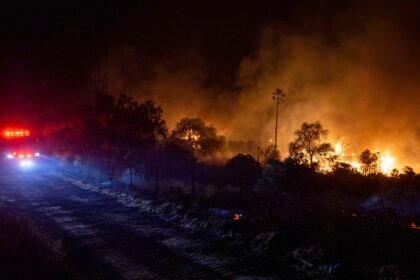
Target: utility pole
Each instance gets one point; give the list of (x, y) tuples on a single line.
[(278, 96)]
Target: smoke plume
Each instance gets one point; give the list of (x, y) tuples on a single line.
[(355, 72)]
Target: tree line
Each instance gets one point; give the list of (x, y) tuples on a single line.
[(121, 129)]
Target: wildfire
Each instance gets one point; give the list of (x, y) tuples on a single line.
[(338, 149), (192, 137), (356, 165), (386, 163)]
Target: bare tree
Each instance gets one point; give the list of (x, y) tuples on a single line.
[(308, 147)]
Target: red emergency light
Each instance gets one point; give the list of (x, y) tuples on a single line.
[(16, 133), (22, 155)]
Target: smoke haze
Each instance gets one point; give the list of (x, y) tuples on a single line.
[(358, 77)]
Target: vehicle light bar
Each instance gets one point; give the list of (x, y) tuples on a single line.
[(16, 133), (22, 155)]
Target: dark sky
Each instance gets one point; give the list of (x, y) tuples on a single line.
[(59, 41), (47, 50), (56, 40)]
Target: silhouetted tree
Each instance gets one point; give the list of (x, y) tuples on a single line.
[(408, 177), (121, 127), (308, 148), (395, 173), (246, 171), (114, 127), (409, 171), (202, 140), (137, 124), (199, 137), (369, 162)]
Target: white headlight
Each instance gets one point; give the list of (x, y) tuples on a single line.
[(26, 163)]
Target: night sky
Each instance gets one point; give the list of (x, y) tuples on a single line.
[(56, 43)]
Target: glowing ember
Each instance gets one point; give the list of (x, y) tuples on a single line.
[(237, 216), (414, 226), (387, 163), (192, 137)]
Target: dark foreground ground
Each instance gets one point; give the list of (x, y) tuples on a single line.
[(54, 229), (101, 238)]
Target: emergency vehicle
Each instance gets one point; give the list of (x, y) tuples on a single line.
[(20, 147)]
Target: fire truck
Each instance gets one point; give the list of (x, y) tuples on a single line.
[(20, 147)]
